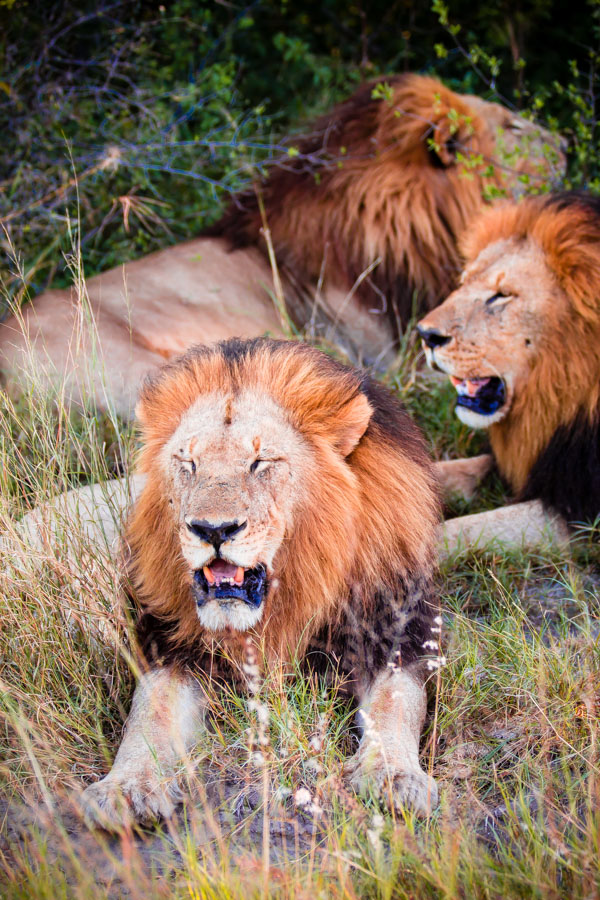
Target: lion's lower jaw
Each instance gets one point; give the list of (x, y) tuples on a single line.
[(478, 420), (216, 616)]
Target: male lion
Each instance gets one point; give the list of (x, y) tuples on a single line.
[(290, 505), (520, 340), (363, 222)]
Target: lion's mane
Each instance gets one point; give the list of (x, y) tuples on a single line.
[(377, 179), (549, 445), (323, 582)]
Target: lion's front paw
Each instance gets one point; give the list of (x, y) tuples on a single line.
[(461, 477), (122, 800), (403, 789), (414, 790)]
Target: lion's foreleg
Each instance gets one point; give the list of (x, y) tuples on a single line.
[(165, 717), (460, 477), (391, 713)]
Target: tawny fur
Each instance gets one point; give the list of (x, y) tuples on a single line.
[(364, 223)]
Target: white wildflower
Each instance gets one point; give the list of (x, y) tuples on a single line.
[(261, 710), (436, 663), (374, 833), (316, 743), (302, 797)]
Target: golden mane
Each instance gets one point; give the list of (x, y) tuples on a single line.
[(393, 178), (384, 491), (566, 227)]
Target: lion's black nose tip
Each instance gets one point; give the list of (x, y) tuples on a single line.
[(432, 337), (215, 534)]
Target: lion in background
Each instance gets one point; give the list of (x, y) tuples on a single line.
[(362, 224), (289, 507), (520, 340)]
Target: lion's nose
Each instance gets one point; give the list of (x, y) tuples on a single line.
[(432, 337), (215, 534)]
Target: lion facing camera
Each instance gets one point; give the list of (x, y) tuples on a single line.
[(289, 505)]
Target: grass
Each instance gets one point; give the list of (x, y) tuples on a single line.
[(514, 746)]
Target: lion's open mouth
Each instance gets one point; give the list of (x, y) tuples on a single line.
[(223, 581), (481, 395)]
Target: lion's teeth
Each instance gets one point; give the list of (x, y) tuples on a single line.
[(216, 579), (462, 387), (468, 386)]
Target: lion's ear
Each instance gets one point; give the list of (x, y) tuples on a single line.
[(445, 141), (350, 423)]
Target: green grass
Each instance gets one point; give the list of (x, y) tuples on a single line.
[(512, 737)]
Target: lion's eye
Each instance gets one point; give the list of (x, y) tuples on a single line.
[(259, 464), (495, 297)]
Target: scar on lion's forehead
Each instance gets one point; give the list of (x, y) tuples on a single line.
[(228, 410), (256, 443)]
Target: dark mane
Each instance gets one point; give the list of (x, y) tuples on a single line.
[(317, 153), (566, 475), (364, 191)]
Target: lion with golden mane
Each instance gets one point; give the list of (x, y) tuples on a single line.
[(289, 506), (356, 222), (520, 340)]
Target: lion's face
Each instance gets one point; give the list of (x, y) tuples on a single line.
[(489, 334), (233, 467)]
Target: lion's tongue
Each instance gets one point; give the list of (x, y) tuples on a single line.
[(468, 386), (220, 569)]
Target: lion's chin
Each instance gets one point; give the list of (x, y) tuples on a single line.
[(478, 420), (221, 615), (229, 596)]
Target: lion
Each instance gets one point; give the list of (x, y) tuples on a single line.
[(520, 341), (289, 506), (355, 224)]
